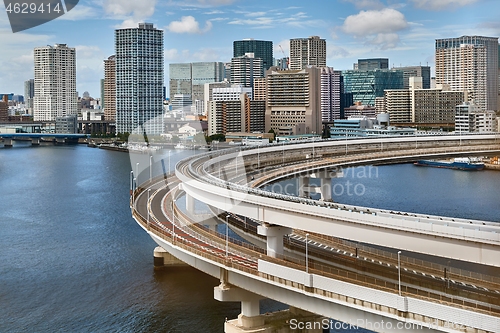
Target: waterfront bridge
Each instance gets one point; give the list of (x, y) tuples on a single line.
[(36, 137), (315, 255)]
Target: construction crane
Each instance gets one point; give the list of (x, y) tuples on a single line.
[(287, 59)]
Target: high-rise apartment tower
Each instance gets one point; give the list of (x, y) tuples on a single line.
[(262, 49), (307, 52), (139, 79), (470, 63), (55, 82), (110, 88)]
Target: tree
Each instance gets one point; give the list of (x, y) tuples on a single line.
[(200, 138), (217, 137), (273, 133)]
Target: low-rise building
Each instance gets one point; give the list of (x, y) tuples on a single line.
[(360, 110), (242, 115), (67, 124), (366, 127), (422, 106), (469, 118)]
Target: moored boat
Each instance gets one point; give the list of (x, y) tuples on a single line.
[(459, 163)]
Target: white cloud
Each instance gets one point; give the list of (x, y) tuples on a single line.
[(129, 23), (143, 8), (214, 12), (219, 19), (372, 22), (259, 21), (385, 41), (276, 19), (366, 4), (188, 24), (378, 27), (201, 3), (206, 54), (80, 12), (203, 54), (442, 4), (88, 52), (255, 14), (335, 51), (216, 2)]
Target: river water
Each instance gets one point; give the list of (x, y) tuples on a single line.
[(73, 259)]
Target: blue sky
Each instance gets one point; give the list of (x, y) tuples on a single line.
[(203, 30)]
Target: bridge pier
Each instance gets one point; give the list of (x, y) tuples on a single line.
[(163, 259), (189, 204), (35, 141), (303, 190), (60, 141), (325, 189), (250, 319), (211, 224), (287, 321), (7, 142), (274, 236)]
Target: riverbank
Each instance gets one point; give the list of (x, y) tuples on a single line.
[(489, 166)]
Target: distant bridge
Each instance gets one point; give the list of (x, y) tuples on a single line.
[(35, 137)]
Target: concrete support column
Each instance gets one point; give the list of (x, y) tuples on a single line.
[(250, 308), (326, 189), (35, 141), (163, 259), (286, 321), (303, 188), (274, 236), (189, 204), (7, 142), (211, 224)]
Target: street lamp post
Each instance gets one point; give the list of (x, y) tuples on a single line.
[(313, 147), (258, 156), (227, 234), (283, 151), (169, 162), (134, 186), (173, 220), (137, 170), (399, 272), (131, 182), (147, 204), (346, 141), (307, 259), (150, 167)]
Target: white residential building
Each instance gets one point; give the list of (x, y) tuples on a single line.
[(232, 93), (470, 64), (55, 83), (245, 69)]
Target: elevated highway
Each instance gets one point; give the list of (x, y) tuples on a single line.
[(325, 285), (467, 240)]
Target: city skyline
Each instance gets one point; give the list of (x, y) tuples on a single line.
[(204, 30)]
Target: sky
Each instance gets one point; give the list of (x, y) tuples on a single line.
[(204, 30)]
